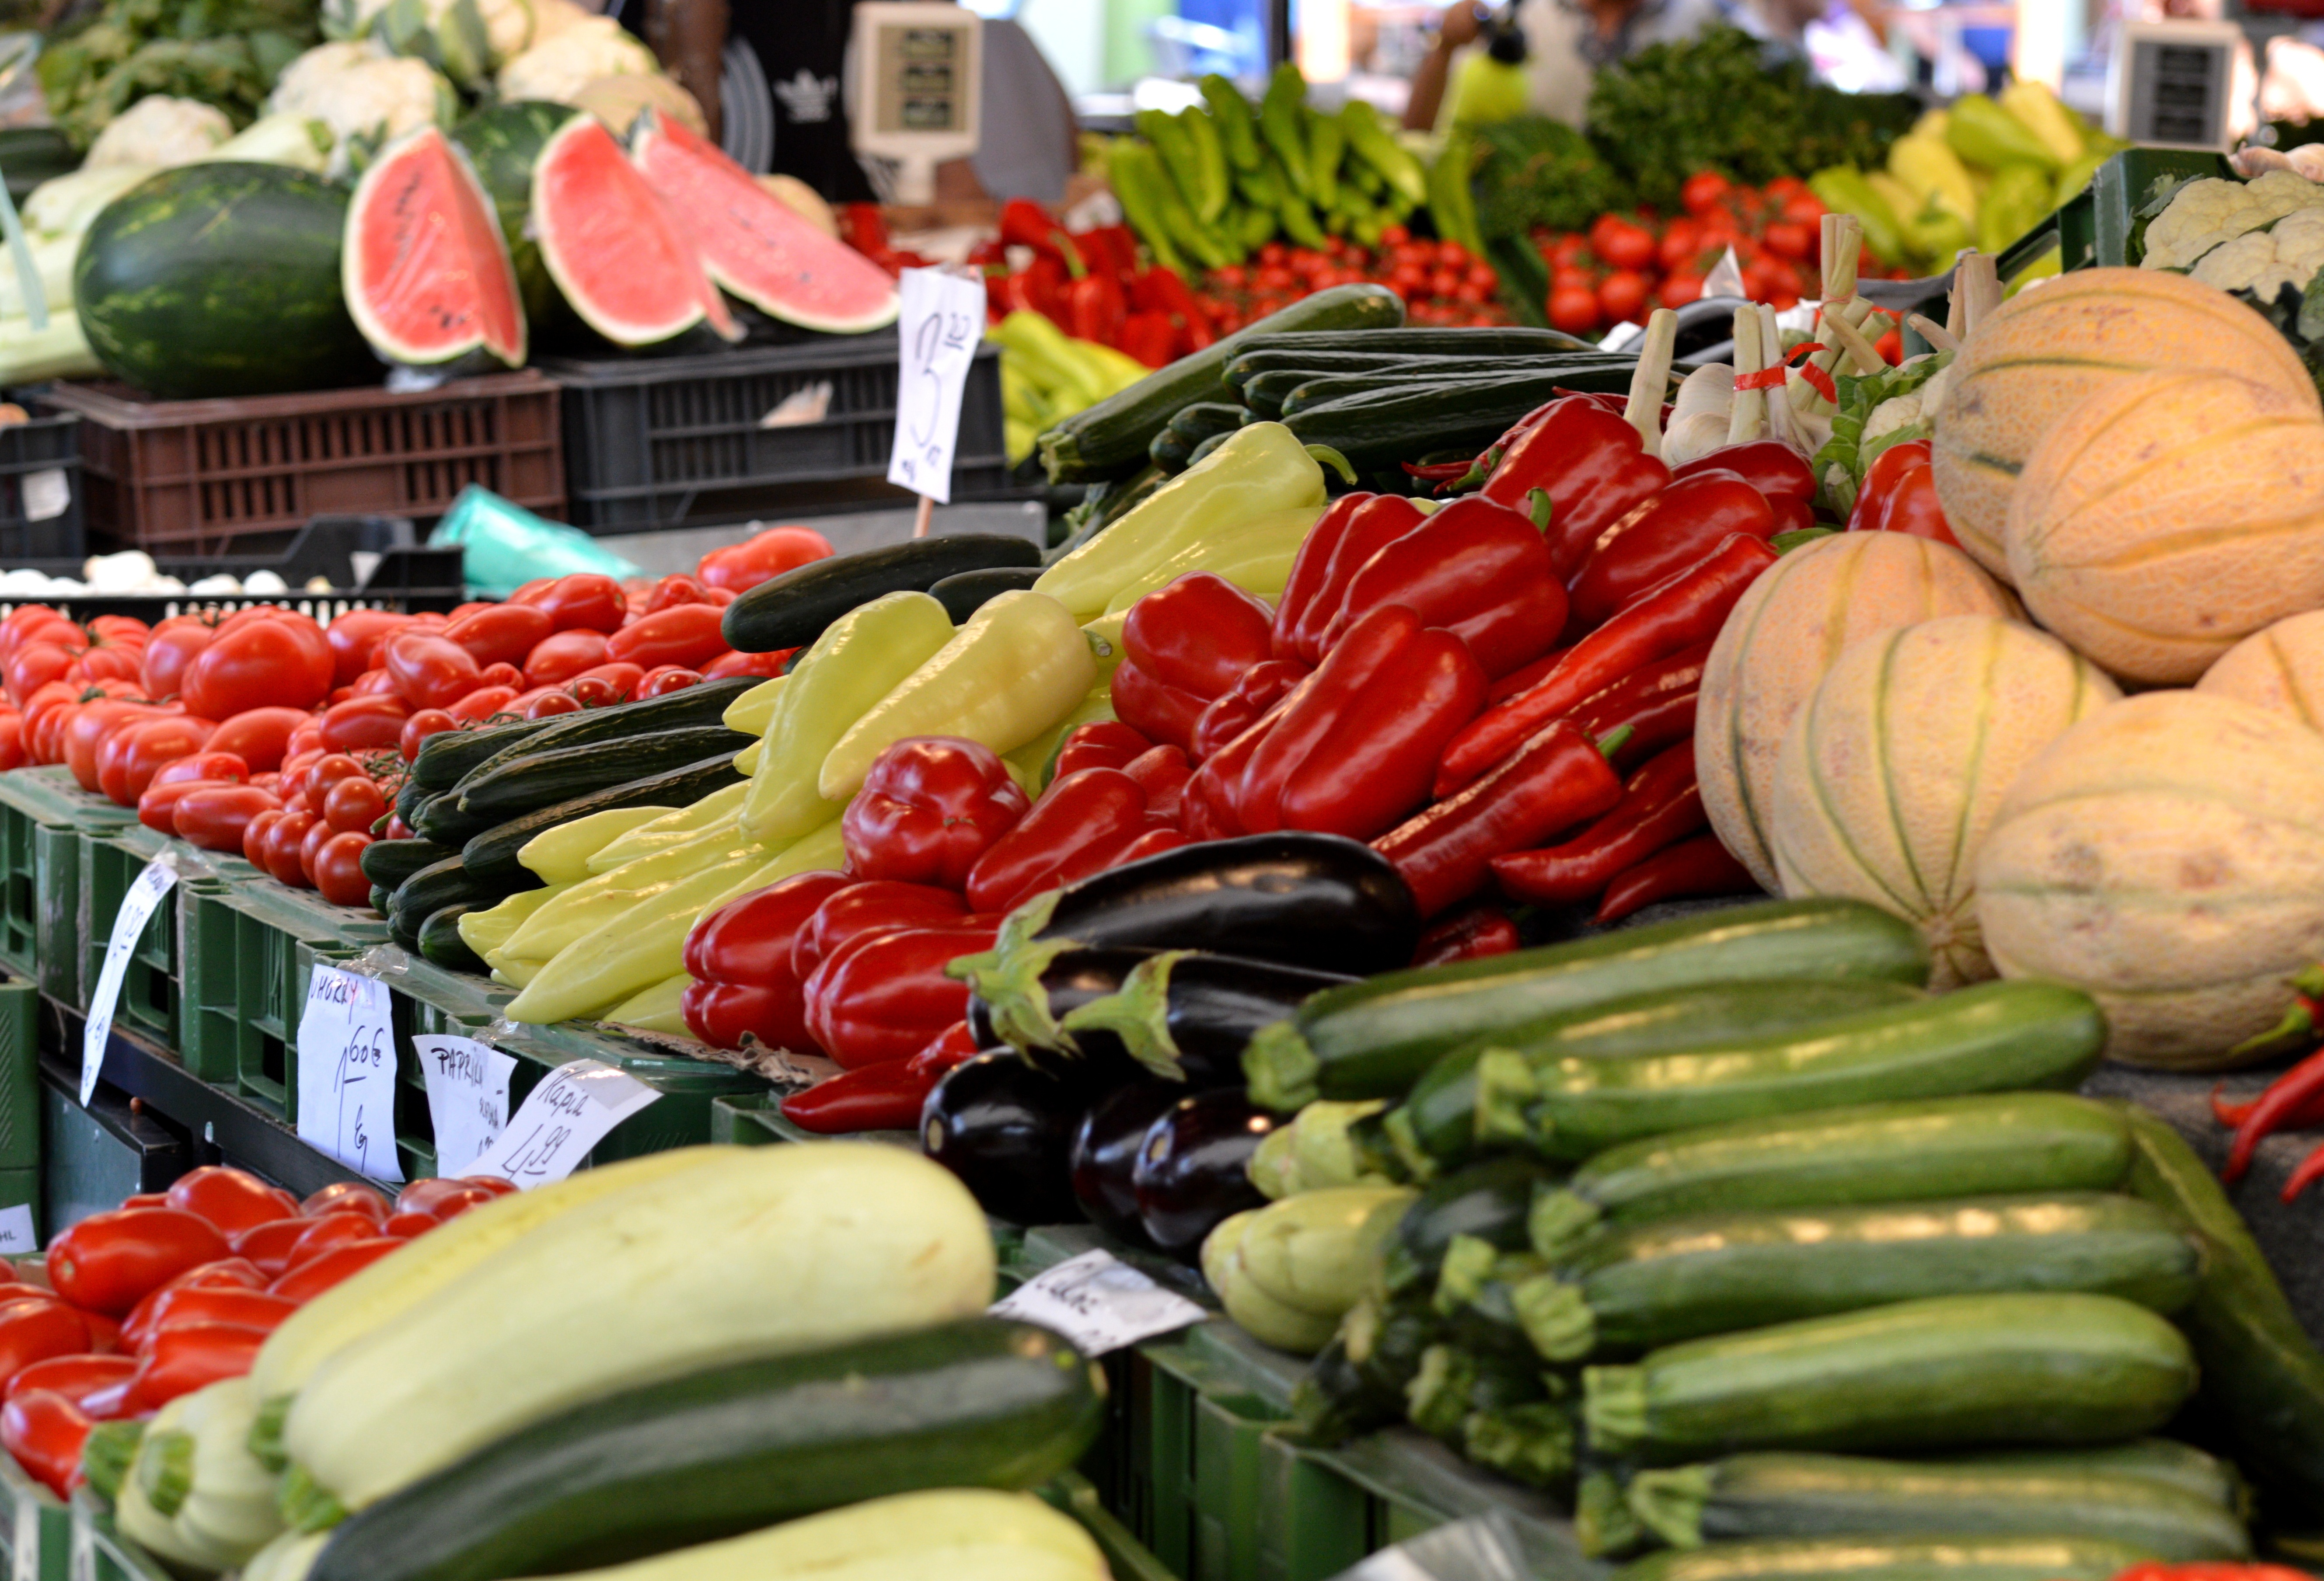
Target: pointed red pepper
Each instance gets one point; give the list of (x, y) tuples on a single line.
[(1094, 309), (1475, 568), (1163, 289), (1160, 713), (885, 1096), (1660, 805), (1261, 687), (1148, 337), (1475, 933), (873, 906), (1356, 746), (1769, 465), (1090, 807), (1162, 773), (884, 996), (1206, 808), (930, 808), (1523, 678), (1693, 869), (1371, 526), (1198, 633), (1025, 223), (740, 957), (1685, 522), (1900, 495), (1687, 609), (1104, 743), (1310, 567), (1587, 464), (1152, 843), (1655, 703)]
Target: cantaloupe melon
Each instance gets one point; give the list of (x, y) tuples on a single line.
[(2170, 515), (2280, 668), (2030, 362), (1890, 776), (2167, 855), (1785, 632)]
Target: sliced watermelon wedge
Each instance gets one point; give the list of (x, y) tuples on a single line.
[(752, 242), (424, 266), (612, 245)]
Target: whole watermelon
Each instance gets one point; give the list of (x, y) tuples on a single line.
[(221, 279)]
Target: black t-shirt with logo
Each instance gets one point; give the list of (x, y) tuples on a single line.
[(800, 45)]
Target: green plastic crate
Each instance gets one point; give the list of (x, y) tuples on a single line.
[(2092, 230), (19, 1079), (35, 1528), (44, 817), (99, 1552), (109, 865)]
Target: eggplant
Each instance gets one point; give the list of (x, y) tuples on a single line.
[(1005, 1127), (1067, 982), (1105, 1152), (1184, 1014), (1194, 1168)]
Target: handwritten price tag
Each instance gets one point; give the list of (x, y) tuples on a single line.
[(17, 1236), (569, 1113), (467, 1097), (346, 1073), (937, 332), (137, 908), (1099, 1302)]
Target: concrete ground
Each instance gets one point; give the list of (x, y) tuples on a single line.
[(678, 548)]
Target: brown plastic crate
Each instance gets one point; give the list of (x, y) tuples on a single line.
[(213, 477)]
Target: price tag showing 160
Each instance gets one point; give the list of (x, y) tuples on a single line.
[(346, 1073)]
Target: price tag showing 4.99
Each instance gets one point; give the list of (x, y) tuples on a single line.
[(346, 1073), (568, 1113)]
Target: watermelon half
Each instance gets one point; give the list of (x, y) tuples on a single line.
[(753, 244), (614, 247), (424, 266)]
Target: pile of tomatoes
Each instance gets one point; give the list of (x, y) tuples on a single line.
[(175, 1290), (1443, 284)]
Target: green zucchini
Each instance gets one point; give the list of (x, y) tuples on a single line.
[(389, 862), (1319, 389), (791, 611), (1533, 1443), (1921, 1375), (1110, 439), (1373, 1039), (1654, 1285), (1452, 1382), (1374, 427), (1487, 1202), (980, 1402), (1418, 341), (1744, 1497), (1996, 1037), (440, 941), (2167, 1461), (1357, 1382), (1985, 1144), (704, 703), (491, 855), (1437, 1122), (1883, 1558), (542, 779), (1199, 421), (448, 755), (449, 882)]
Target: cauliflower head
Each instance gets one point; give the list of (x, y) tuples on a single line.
[(2263, 261), (159, 129), (589, 48), (368, 102), (2206, 213)]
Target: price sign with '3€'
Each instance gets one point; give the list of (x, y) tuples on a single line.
[(940, 326)]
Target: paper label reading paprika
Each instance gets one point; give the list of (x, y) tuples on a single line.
[(937, 331), (346, 1073), (1099, 1302), (569, 1113), (467, 1097), (137, 907)]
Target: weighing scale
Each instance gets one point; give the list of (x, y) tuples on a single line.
[(915, 81), (2169, 81)]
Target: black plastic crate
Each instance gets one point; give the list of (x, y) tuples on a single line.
[(662, 441), (36, 458)]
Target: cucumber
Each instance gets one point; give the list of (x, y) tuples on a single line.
[(389, 862), (448, 755), (704, 704), (1297, 359), (543, 779), (1420, 342), (2167, 1461), (1110, 439), (440, 941), (1652, 1284), (1374, 1039), (449, 882), (493, 854), (791, 611), (1996, 1037), (1754, 1496), (1319, 389), (1402, 417), (1173, 453), (1921, 1375), (1882, 1558), (1199, 421), (1487, 1201), (978, 1402), (1437, 1122), (1875, 1153), (439, 818), (964, 595)]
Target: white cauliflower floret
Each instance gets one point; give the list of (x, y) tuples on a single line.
[(1898, 411), (159, 129), (375, 99), (2265, 261), (588, 50), (300, 81), (2206, 213)]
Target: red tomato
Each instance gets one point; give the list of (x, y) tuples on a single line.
[(1891, 347), (216, 766), (346, 1197), (310, 843), (481, 704), (113, 662), (279, 854), (109, 1262), (1787, 240), (322, 666), (307, 1280), (664, 679), (89, 730), (237, 1272), (1573, 310), (36, 1327), (1623, 297), (762, 558), (46, 1432), (217, 1304), (548, 704), (563, 657), (259, 664), (231, 1198), (182, 1360), (157, 809), (1704, 191), (353, 804), (583, 600), (268, 1245), (355, 636), (430, 671), (1625, 246), (138, 751), (1569, 248), (364, 724), (501, 674), (673, 591), (329, 1230), (34, 666), (502, 633), (338, 870), (1680, 244), (427, 722), (766, 666), (256, 833), (373, 683), (683, 634), (75, 1377), (259, 737), (1679, 289)]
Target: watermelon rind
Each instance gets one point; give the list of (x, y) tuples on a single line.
[(221, 279), (427, 142), (703, 306)]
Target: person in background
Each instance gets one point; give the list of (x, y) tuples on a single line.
[(1566, 41)]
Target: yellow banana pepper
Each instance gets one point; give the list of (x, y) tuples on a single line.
[(672, 829), (1018, 667), (1258, 544), (657, 1008), (583, 907), (862, 657), (747, 761), (749, 713), (1032, 763), (2037, 109), (484, 931), (1927, 165), (561, 855), (507, 969), (819, 851)]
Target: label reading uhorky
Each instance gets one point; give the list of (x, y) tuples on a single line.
[(346, 1073), (553, 1130), (467, 1097)]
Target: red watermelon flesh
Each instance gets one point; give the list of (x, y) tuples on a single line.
[(612, 245), (752, 242), (424, 266)]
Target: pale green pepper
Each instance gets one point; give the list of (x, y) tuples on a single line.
[(1984, 133), (2018, 199), (860, 658), (1259, 470), (638, 947), (1257, 558)]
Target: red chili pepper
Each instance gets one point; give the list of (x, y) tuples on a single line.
[(2311, 1167), (877, 906), (109, 1262), (1682, 612), (1660, 805), (1769, 465), (1199, 634), (1150, 337), (1900, 495), (1586, 462), (1162, 773), (1309, 569), (1655, 701), (1091, 808), (1522, 678), (886, 1097), (76, 1376), (882, 997), (1685, 523), (1473, 933), (1162, 288), (195, 1356), (2284, 1097), (740, 957), (954, 1045), (1152, 843), (311, 1279), (1691, 870), (1094, 309), (1557, 780), (930, 807), (1475, 568), (45, 1432), (2230, 1114), (1244, 704), (1105, 743), (1357, 743), (1371, 526)]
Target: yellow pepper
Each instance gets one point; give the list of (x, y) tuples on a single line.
[(657, 1008), (582, 908), (672, 829), (561, 855), (484, 931), (1258, 544), (747, 761), (749, 713)]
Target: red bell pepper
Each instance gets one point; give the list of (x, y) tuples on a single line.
[(1111, 248), (1900, 495), (45, 1432), (1591, 473), (1199, 634), (1769, 465), (1356, 745), (1309, 568), (1160, 713), (1091, 807), (1260, 689), (1162, 773), (884, 996), (930, 808), (1476, 933), (1094, 309), (740, 957), (1475, 568), (1150, 337), (1691, 870), (1374, 525), (1558, 779), (1104, 744), (873, 907), (1655, 703), (1685, 522), (1039, 287), (1682, 612), (1025, 223), (1206, 808), (1162, 290), (1660, 805)]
